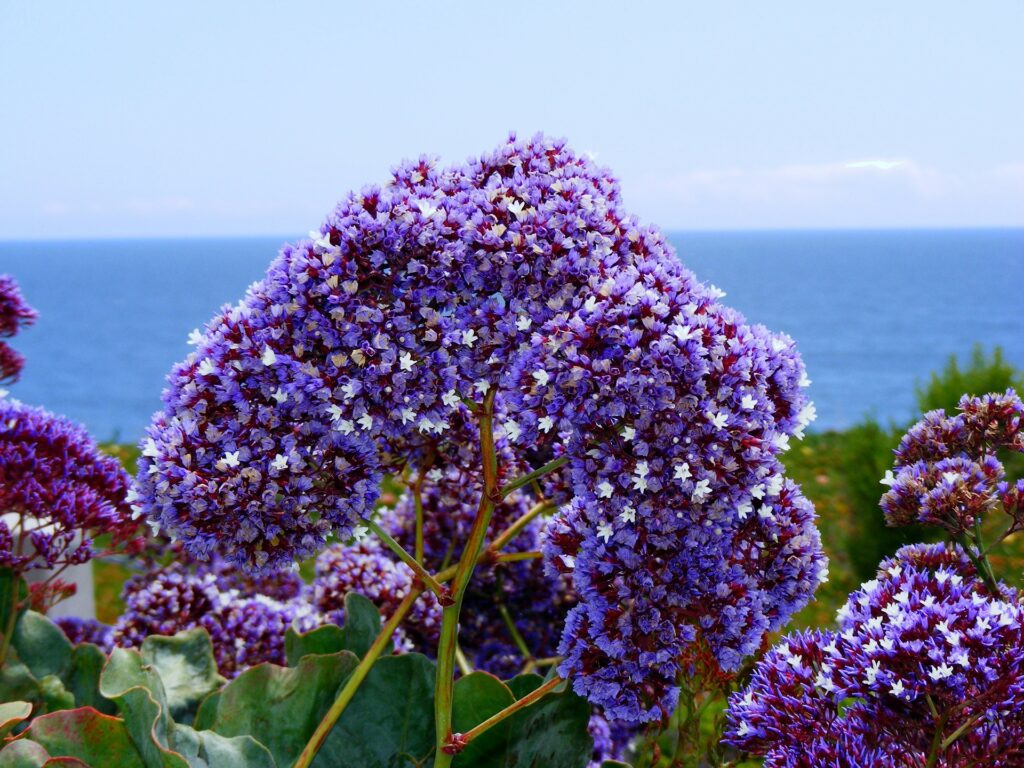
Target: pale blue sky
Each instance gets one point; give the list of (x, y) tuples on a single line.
[(224, 118)]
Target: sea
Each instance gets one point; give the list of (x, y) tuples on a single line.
[(873, 312)]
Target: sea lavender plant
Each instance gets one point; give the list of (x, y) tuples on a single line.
[(498, 311), (79, 630), (15, 314)]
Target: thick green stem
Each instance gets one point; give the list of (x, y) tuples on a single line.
[(444, 686), (384, 639), (422, 573), (981, 564)]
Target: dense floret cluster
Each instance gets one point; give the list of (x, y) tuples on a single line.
[(947, 472), (57, 492), (80, 630), (925, 660), (15, 314), (246, 628), (518, 278)]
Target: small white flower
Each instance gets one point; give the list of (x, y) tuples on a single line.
[(748, 402), (230, 460), (941, 672), (269, 358), (897, 688), (451, 398), (512, 431), (427, 208), (205, 367), (701, 490), (889, 478), (360, 532), (280, 462), (605, 490), (718, 420), (523, 322), (405, 362), (482, 386), (545, 424), (684, 332), (348, 389), (628, 514), (517, 208), (469, 338), (150, 448), (628, 433), (280, 395), (320, 240), (744, 728), (682, 472), (408, 414), (604, 531), (365, 421), (541, 377), (195, 337)]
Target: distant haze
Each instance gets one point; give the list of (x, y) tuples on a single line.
[(138, 119)]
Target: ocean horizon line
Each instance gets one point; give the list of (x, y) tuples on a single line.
[(284, 238)]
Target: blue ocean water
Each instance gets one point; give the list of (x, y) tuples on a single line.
[(873, 312)]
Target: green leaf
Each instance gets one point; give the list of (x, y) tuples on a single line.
[(12, 713), (41, 645), (83, 678), (362, 625), (477, 696), (278, 706), (329, 638), (187, 669), (552, 731), (23, 754), (16, 682), (139, 695), (55, 695), (207, 748), (615, 764), (90, 736), (390, 721)]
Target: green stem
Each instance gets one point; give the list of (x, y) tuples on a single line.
[(521, 522), (444, 685), (459, 741), (514, 557), (422, 573), (519, 482), (517, 638), (981, 565), (355, 680)]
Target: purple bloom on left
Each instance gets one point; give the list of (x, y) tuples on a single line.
[(57, 491), (15, 314)]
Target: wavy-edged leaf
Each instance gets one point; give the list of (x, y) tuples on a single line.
[(41, 645), (278, 706), (83, 678), (87, 735), (12, 713), (187, 669), (362, 625), (23, 754)]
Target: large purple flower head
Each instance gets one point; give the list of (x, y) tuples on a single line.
[(15, 314), (517, 276), (947, 472), (246, 628), (923, 648), (57, 491)]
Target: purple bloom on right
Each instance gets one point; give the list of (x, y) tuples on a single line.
[(927, 664), (947, 472), (15, 314)]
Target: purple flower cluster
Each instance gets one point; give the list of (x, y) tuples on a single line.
[(57, 491), (517, 275), (15, 314), (80, 630), (367, 568), (925, 658), (947, 473), (246, 628)]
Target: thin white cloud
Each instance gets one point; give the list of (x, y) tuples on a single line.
[(879, 165)]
